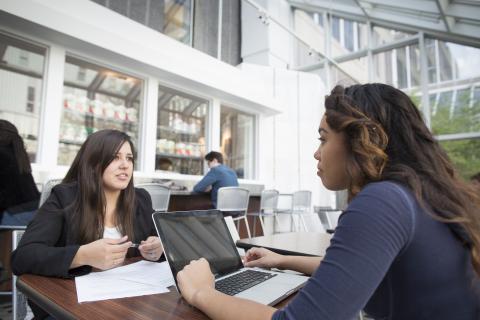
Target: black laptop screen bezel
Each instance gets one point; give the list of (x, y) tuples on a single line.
[(157, 220)]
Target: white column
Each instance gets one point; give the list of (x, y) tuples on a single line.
[(213, 134), (52, 102), (149, 128)]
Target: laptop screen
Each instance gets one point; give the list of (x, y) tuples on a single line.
[(190, 235)]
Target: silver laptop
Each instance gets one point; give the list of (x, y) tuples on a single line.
[(190, 235)]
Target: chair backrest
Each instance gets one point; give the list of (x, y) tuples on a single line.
[(269, 201), (285, 203), (19, 301), (302, 200), (233, 199), (233, 232), (160, 195), (47, 190)]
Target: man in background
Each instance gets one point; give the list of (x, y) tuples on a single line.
[(217, 177)]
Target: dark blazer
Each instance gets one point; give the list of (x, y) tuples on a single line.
[(49, 245), (18, 192)]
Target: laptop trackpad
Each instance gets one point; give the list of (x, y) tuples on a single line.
[(274, 289)]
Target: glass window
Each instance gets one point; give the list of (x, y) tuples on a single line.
[(181, 131), (357, 68), (21, 80), (401, 54), (415, 76), (336, 28), (430, 48), (236, 140), (96, 98), (465, 155), (383, 35), (383, 66), (349, 36), (171, 17)]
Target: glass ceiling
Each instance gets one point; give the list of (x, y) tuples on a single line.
[(450, 18)]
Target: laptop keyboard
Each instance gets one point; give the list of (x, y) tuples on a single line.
[(242, 281)]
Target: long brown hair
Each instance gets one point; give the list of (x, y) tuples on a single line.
[(387, 139), (9, 137), (96, 153)]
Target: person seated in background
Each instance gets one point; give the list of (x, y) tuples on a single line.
[(406, 247), (93, 217), (217, 177), (19, 195)]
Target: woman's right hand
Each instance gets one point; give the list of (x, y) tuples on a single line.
[(102, 254), (263, 258)]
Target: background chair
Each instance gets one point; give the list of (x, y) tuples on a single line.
[(268, 208), (160, 195), (234, 201), (234, 233), (329, 217), (302, 203), (284, 213), (47, 190)]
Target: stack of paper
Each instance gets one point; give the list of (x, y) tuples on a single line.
[(136, 279)]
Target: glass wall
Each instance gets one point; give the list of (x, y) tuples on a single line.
[(21, 80), (237, 131), (181, 128), (96, 98), (452, 83), (171, 17)]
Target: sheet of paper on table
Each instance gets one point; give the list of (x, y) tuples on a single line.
[(136, 279)]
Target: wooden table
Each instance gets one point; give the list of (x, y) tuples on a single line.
[(294, 243), (58, 297)]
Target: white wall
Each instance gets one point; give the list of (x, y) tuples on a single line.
[(288, 140)]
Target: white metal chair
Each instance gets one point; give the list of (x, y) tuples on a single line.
[(268, 208), (47, 190), (284, 212), (160, 195), (302, 202), (234, 233), (234, 200)]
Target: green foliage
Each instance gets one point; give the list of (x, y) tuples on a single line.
[(465, 154)]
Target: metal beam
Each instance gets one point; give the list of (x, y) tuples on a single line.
[(418, 6), (458, 136), (363, 9), (442, 6)]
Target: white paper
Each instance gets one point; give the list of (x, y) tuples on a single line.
[(136, 279)]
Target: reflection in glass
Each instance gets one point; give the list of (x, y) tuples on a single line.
[(180, 132), (401, 54), (171, 17), (21, 80), (96, 98), (236, 140), (414, 52), (465, 155)]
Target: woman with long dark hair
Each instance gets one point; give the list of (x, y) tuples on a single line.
[(92, 218), (18, 193), (408, 244)]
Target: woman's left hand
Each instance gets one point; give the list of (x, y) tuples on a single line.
[(151, 249), (195, 277)]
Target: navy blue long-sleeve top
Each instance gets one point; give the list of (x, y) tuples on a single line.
[(217, 177), (391, 258)]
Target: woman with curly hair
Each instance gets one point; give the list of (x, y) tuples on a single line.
[(408, 244)]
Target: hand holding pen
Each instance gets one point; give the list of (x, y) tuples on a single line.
[(150, 249)]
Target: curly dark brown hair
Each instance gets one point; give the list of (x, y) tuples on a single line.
[(387, 139)]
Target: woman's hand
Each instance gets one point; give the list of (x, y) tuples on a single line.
[(194, 278), (263, 258), (102, 254), (151, 249)]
